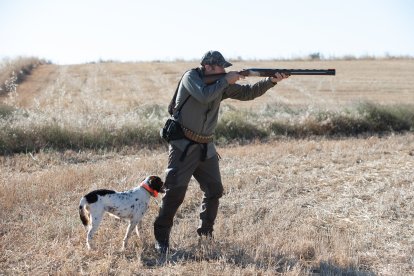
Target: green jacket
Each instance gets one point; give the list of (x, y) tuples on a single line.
[(200, 111)]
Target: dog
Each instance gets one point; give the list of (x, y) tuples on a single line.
[(129, 205)]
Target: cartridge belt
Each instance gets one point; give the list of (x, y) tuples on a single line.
[(191, 135)]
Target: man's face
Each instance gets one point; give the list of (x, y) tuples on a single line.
[(214, 69)]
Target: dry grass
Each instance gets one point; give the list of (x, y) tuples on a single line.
[(109, 105), (15, 71), (291, 207), (116, 87)]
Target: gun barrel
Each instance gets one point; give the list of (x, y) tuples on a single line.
[(260, 72)]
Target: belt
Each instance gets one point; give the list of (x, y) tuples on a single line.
[(191, 135)]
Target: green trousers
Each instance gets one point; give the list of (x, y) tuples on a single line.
[(179, 172)]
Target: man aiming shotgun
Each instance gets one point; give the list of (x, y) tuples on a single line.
[(190, 131)]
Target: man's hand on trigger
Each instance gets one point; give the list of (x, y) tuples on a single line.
[(279, 77), (233, 76)]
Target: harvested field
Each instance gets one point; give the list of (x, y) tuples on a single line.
[(126, 85), (293, 207), (311, 206)]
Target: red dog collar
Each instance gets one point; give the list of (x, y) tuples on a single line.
[(153, 192)]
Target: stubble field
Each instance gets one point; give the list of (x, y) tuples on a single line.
[(318, 206)]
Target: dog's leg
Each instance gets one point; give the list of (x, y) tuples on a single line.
[(96, 220), (137, 231), (132, 225)]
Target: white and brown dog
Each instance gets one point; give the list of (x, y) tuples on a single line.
[(129, 205)]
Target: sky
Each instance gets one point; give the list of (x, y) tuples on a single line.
[(80, 31)]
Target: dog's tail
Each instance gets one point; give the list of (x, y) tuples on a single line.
[(83, 212)]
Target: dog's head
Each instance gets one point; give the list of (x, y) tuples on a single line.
[(155, 183)]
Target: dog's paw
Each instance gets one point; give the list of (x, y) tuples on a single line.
[(90, 247), (124, 246)]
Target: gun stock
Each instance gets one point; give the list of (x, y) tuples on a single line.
[(260, 72)]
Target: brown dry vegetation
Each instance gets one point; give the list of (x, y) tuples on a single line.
[(16, 71), (126, 85), (291, 207)]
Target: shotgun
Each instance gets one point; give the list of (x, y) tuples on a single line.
[(260, 72)]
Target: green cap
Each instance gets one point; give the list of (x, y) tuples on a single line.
[(214, 58)]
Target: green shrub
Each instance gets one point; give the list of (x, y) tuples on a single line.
[(388, 118), (22, 131), (6, 111), (234, 125), (53, 136), (282, 128)]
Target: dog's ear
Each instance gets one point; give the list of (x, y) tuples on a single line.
[(162, 187)]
